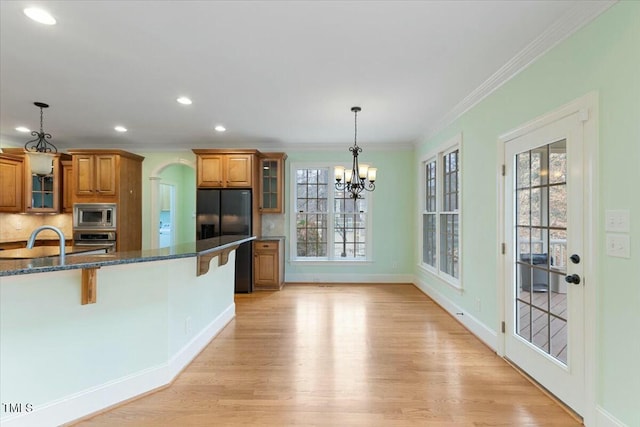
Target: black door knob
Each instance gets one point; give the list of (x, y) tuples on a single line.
[(575, 258), (572, 278)]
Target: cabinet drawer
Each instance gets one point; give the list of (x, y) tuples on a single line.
[(265, 245)]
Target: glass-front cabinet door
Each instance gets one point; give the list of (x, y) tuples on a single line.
[(42, 191), (272, 183)]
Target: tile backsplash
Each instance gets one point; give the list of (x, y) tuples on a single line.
[(16, 227), (272, 225)]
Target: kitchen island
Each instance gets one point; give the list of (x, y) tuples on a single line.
[(154, 311)]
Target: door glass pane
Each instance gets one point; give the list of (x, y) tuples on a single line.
[(523, 243), (558, 162), (558, 295), (523, 170), (558, 209), (523, 318), (535, 207), (559, 339), (558, 250), (540, 329), (539, 166), (523, 207), (541, 240)]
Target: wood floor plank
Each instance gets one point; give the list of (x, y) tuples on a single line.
[(343, 355)]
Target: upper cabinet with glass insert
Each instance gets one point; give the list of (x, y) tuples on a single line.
[(272, 183), (42, 193)]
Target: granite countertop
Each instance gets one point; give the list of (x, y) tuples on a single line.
[(52, 263), (266, 238), (46, 251)]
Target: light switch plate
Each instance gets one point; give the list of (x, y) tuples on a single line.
[(618, 245), (617, 221)]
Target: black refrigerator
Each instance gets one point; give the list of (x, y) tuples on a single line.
[(224, 213)]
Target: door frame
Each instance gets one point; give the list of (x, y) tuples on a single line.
[(587, 107)]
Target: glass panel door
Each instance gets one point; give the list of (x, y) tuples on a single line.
[(541, 233), (544, 322)]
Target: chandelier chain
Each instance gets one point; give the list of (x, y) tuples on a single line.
[(355, 127), (41, 120)]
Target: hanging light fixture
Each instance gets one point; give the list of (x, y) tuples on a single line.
[(39, 150), (359, 177)]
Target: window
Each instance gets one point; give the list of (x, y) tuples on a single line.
[(441, 212), (329, 225)]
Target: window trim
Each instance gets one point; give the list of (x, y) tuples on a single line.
[(293, 258), (437, 154)]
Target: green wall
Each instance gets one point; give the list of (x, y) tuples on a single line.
[(183, 178), (173, 168), (604, 57), (392, 211)]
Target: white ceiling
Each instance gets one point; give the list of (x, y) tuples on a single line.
[(276, 74)]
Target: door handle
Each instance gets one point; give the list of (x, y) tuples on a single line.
[(572, 278), (575, 258)]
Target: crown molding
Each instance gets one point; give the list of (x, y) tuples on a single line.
[(396, 146), (575, 18)]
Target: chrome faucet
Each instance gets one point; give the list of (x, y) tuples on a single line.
[(32, 238)]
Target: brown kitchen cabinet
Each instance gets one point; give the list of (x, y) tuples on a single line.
[(95, 174), (67, 186), (272, 183), (268, 264), (39, 193), (225, 169), (111, 176), (42, 192), (12, 178)]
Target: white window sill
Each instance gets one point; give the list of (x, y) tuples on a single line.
[(330, 262), (444, 278)]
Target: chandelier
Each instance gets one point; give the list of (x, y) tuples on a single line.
[(359, 177), (39, 150)]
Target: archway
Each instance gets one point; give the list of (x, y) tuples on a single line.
[(155, 178)]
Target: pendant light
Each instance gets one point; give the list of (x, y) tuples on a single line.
[(39, 150), (360, 177)]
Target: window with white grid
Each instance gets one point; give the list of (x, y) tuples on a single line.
[(329, 225), (441, 212)]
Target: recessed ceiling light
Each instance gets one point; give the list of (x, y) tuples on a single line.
[(40, 15), (23, 129), (184, 100), (120, 128), (220, 128)]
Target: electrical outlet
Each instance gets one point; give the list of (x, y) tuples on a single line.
[(478, 305), (18, 225)]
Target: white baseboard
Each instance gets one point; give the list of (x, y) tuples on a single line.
[(105, 395), (183, 357), (347, 278), (605, 419), (479, 329)]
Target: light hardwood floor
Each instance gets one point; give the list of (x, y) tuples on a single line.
[(343, 355)]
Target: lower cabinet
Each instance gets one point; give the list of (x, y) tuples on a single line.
[(268, 264)]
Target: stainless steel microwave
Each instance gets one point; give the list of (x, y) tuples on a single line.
[(94, 216)]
